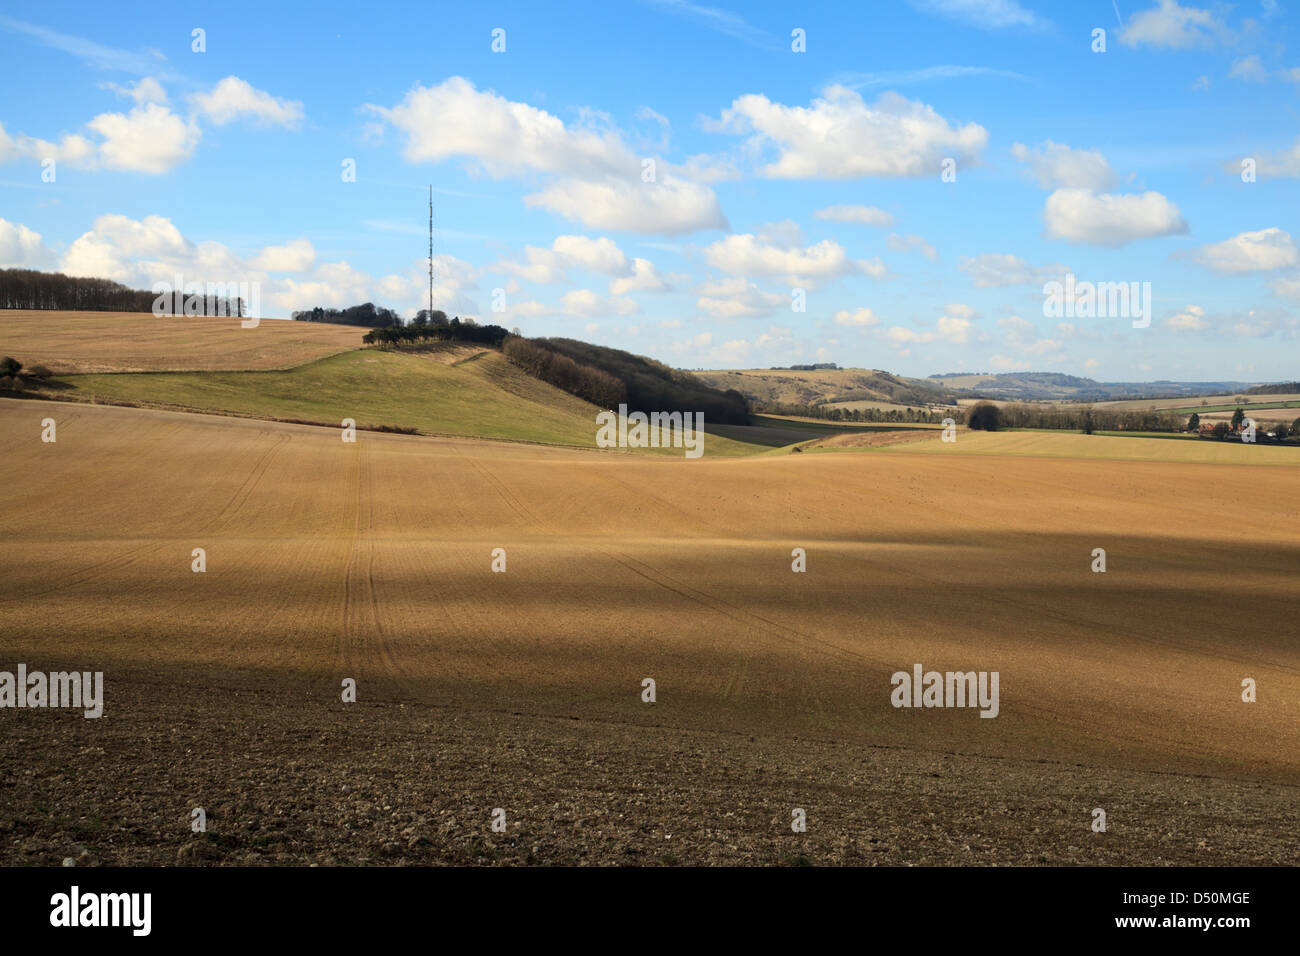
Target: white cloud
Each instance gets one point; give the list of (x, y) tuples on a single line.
[(858, 318), (72, 149), (1191, 319), (148, 139), (116, 246), (644, 278), (910, 243), (1109, 219), (456, 119), (862, 215), (587, 304), (1285, 164), (776, 251), (954, 327), (842, 137), (548, 265), (737, 299), (1174, 27), (599, 176), (145, 90), (986, 14), (1260, 251), (1055, 165), (21, 248), (992, 270), (1287, 287), (233, 98), (1022, 336), (668, 207), (1249, 68), (295, 256)]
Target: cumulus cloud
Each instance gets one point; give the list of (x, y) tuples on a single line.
[(1250, 69), (858, 318), (600, 255), (599, 178), (1109, 219), (233, 98), (862, 215), (777, 250), (145, 90), (992, 270), (1171, 26), (1023, 337), (671, 206), (954, 328), (295, 256), (587, 304), (840, 136), (1260, 251), (150, 137), (21, 248), (910, 243), (737, 298), (644, 278), (1055, 165), (1191, 319), (1285, 164)]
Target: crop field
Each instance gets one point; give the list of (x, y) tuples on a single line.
[(522, 688), (1211, 402), (1114, 447), (140, 342)]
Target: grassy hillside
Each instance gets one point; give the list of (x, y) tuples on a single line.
[(483, 395), (142, 342), (811, 387), (1056, 386)]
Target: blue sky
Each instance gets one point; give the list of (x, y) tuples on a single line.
[(772, 170)]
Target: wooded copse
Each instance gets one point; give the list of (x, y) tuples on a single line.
[(31, 289)]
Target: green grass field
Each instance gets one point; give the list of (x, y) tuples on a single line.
[(484, 397)]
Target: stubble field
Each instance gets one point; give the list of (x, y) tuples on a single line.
[(522, 690)]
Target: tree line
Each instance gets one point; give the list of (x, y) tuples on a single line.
[(454, 331), (30, 289), (600, 388), (367, 314), (837, 414)]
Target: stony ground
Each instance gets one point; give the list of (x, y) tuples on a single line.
[(286, 780)]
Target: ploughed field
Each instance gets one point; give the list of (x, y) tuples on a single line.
[(522, 690), (79, 342)]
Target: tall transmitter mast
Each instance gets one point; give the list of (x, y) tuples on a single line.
[(431, 252)]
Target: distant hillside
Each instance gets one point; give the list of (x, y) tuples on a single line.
[(1056, 386), (769, 388)]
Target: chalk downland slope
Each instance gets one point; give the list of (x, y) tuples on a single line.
[(470, 392)]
